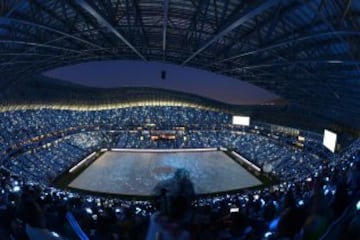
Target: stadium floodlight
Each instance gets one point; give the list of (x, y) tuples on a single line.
[(329, 140), (241, 120)]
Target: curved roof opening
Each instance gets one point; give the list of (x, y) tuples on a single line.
[(307, 52), (116, 74)]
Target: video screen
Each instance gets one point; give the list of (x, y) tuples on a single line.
[(329, 140), (241, 120)]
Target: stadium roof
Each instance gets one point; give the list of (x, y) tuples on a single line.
[(306, 51)]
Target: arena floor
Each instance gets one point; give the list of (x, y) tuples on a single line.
[(136, 173)]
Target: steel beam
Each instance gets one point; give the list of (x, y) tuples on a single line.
[(165, 21), (271, 47), (247, 16), (85, 6), (15, 7), (47, 28), (40, 45)]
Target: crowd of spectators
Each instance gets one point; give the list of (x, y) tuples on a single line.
[(45, 134), (21, 125), (304, 209), (44, 163), (314, 192)]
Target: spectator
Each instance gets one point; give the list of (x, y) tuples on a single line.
[(173, 197), (35, 223)]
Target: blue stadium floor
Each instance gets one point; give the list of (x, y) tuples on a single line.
[(136, 173)]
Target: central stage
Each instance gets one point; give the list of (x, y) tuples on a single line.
[(130, 172)]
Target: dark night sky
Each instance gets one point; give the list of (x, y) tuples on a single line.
[(112, 74)]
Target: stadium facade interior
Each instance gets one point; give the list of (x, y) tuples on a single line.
[(51, 131)]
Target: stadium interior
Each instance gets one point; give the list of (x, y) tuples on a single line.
[(299, 155)]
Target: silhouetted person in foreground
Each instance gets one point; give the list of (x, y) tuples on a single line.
[(35, 223), (173, 201)]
